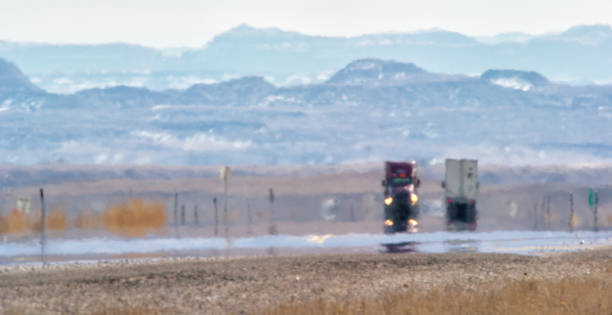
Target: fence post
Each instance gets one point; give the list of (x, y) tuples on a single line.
[(535, 216), (249, 217), (216, 216), (225, 174), (595, 227), (272, 225), (183, 214), (43, 238), (548, 215), (225, 211), (175, 218), (572, 215)]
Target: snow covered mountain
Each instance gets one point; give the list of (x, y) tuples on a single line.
[(369, 110), (521, 80)]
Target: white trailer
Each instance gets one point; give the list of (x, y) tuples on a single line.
[(461, 190)]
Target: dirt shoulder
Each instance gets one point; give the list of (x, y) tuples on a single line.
[(252, 284)]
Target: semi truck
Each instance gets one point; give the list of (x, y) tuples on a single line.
[(401, 199), (460, 191)]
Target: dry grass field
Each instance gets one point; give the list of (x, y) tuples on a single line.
[(135, 218), (575, 283), (588, 295)]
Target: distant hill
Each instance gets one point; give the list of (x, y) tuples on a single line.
[(247, 90), (386, 72), (363, 81), (578, 55), (13, 81), (585, 35), (370, 109)]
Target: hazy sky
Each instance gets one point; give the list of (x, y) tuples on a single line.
[(192, 23)]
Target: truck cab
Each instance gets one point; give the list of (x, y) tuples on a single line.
[(401, 199)]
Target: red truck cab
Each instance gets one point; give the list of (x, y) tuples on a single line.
[(401, 199)]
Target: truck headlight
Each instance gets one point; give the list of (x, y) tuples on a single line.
[(414, 199), (388, 201), (388, 222)]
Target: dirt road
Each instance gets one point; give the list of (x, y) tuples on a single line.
[(255, 284)]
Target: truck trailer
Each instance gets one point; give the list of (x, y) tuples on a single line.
[(460, 190), (401, 199)]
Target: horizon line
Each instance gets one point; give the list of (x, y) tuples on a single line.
[(276, 28)]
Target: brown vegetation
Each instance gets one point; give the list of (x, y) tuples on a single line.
[(4, 227), (87, 220), (566, 296), (133, 218), (55, 221), (128, 311), (19, 223), (136, 217), (14, 223)]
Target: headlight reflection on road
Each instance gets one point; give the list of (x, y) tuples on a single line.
[(319, 239)]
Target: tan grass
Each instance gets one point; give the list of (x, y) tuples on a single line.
[(87, 219), (4, 227), (14, 223), (127, 310), (566, 296), (15, 311), (55, 221), (136, 217)]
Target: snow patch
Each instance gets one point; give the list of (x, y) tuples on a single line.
[(400, 76), (6, 105), (513, 83), (199, 142)]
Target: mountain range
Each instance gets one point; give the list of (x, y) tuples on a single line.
[(369, 110), (578, 55)]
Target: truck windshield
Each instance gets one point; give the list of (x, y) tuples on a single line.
[(399, 181)]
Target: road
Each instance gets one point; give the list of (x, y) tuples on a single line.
[(514, 242)]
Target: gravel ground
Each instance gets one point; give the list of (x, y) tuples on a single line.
[(252, 284)]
